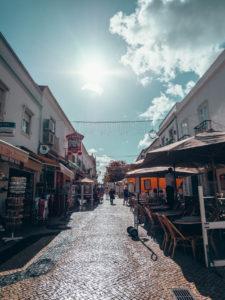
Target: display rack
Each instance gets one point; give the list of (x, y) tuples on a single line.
[(14, 205)]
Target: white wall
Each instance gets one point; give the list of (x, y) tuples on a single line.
[(22, 92), (212, 92), (51, 110)]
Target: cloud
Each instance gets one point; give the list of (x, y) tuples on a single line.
[(158, 108), (177, 90), (145, 81), (93, 87), (92, 151), (189, 86), (145, 142), (102, 162), (165, 37), (101, 149)]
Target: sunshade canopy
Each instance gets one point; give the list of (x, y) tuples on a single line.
[(86, 180), (161, 171), (198, 150)]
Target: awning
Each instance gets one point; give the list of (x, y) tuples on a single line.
[(48, 161), (73, 165), (66, 171), (13, 152), (33, 164)]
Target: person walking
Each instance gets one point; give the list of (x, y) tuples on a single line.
[(111, 195), (125, 195), (106, 193), (170, 187)]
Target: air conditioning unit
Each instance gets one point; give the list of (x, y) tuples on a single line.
[(49, 125), (48, 138)]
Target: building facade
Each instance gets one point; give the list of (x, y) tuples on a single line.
[(203, 109), (34, 156)]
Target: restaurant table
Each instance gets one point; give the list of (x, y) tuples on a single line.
[(188, 220), (170, 213), (159, 207)]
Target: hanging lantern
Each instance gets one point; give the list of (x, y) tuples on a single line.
[(79, 153)]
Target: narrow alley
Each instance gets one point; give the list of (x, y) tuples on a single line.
[(96, 259)]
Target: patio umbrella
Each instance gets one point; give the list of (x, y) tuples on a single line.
[(204, 148), (161, 171), (86, 180)]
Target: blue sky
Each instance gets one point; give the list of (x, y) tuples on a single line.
[(150, 53)]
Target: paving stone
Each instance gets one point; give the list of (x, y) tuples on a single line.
[(96, 259)]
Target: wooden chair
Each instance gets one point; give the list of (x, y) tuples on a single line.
[(177, 237), (153, 220), (166, 236)]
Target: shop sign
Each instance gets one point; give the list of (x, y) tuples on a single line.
[(74, 142), (12, 153), (7, 128), (8, 159)]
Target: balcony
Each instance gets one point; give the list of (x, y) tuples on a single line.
[(203, 127)]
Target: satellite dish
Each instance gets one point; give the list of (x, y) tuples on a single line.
[(44, 149)]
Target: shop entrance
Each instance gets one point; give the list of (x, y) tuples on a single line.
[(29, 191)]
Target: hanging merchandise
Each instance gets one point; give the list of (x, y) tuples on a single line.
[(14, 205)]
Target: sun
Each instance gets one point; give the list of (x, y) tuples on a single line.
[(94, 72)]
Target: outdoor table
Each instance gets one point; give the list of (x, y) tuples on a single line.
[(189, 225), (159, 207), (170, 213), (188, 220)]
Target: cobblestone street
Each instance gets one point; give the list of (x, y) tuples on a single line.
[(96, 259)]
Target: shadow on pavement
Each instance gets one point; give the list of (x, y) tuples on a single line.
[(209, 282)]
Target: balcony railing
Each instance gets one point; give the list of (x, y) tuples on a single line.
[(203, 127)]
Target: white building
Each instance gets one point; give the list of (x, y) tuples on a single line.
[(55, 124), (87, 163), (30, 118), (20, 101), (203, 109)]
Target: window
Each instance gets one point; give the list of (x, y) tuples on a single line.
[(52, 125), (184, 128), (203, 113), (26, 121), (2, 97), (3, 90)]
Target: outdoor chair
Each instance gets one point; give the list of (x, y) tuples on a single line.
[(153, 221), (178, 238), (166, 235)]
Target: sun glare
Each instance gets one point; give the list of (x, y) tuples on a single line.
[(94, 72)]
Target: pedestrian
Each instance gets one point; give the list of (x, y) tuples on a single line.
[(111, 195), (125, 195), (170, 187)]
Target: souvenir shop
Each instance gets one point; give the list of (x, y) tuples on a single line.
[(18, 175), (53, 189)]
